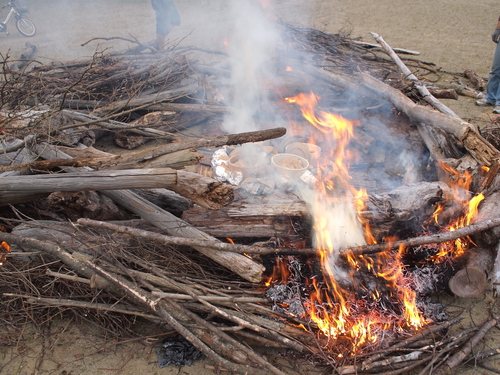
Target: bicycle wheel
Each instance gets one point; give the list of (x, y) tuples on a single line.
[(25, 27)]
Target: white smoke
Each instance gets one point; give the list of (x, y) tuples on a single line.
[(252, 45)]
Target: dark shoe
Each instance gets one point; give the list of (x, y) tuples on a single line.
[(496, 109), (483, 102)]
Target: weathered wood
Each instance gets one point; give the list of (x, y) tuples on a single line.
[(208, 340), (90, 204), (167, 199), (471, 280), (241, 265), (89, 120), (428, 97), (168, 95), (204, 191), (444, 93), (466, 133), (258, 217), (261, 216), (98, 180)]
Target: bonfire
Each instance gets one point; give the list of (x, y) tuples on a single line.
[(315, 208)]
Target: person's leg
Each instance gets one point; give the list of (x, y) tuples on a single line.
[(163, 27), (160, 39), (493, 87)]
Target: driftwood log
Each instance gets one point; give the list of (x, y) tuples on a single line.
[(261, 216), (202, 190), (466, 133)]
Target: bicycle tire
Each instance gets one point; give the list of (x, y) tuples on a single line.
[(25, 27)]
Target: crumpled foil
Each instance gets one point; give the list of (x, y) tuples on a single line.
[(220, 165)]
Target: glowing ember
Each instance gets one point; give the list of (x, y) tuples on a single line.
[(4, 249)]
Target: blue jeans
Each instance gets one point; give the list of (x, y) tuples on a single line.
[(493, 87)]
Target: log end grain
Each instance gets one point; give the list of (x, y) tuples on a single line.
[(469, 282)]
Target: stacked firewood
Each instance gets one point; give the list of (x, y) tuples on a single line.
[(146, 231)]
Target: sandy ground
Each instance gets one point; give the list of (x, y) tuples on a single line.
[(454, 34)]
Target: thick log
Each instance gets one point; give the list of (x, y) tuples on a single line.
[(444, 93), (466, 133), (265, 217), (471, 280), (258, 217), (202, 190), (98, 180)]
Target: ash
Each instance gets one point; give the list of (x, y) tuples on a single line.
[(286, 299), (432, 310), (425, 280)]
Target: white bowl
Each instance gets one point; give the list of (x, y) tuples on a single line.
[(289, 166)]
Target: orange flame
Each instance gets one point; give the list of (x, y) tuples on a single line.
[(460, 185), (334, 307)]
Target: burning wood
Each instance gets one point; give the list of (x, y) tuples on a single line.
[(341, 284)]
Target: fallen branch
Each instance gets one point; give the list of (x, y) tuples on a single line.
[(428, 97), (458, 357), (424, 240)]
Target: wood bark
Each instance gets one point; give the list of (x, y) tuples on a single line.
[(471, 280), (444, 93)]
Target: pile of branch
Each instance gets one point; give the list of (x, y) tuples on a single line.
[(50, 169)]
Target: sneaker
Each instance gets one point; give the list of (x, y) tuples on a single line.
[(483, 102), (496, 109)]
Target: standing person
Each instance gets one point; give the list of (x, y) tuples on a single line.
[(493, 88), (167, 16)]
